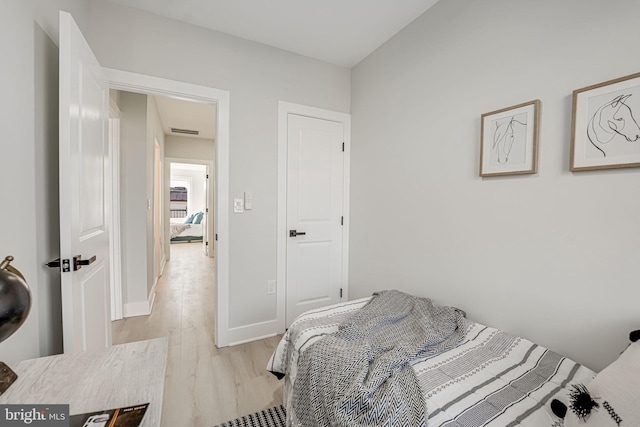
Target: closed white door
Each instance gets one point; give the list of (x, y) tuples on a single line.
[(315, 181), (84, 209)]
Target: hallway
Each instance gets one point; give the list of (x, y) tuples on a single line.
[(204, 385)]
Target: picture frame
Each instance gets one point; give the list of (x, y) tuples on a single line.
[(509, 140), (604, 130)]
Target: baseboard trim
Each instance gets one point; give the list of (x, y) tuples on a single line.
[(253, 332), (152, 299), (140, 308)]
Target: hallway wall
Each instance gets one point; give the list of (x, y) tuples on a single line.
[(257, 77)]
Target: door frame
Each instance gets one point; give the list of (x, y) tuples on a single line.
[(284, 109), (141, 83), (115, 251)]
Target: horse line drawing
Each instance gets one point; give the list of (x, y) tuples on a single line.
[(504, 138), (613, 119)]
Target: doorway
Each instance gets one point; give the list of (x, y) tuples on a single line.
[(122, 80), (191, 194)]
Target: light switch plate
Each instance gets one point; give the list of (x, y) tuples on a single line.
[(238, 205), (248, 200)]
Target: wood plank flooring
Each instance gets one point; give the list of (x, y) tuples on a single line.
[(204, 385)]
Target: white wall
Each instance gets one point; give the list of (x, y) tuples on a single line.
[(47, 195), (134, 194), (257, 77), (29, 107), (551, 256), (182, 147), (141, 127)]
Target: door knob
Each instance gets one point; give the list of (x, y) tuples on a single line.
[(294, 233), (78, 262)]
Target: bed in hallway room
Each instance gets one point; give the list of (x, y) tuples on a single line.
[(188, 229), (461, 373)]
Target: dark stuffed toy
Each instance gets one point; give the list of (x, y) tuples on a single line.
[(611, 398)]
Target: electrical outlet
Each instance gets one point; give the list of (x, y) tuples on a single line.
[(271, 287)]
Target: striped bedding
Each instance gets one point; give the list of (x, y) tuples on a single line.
[(492, 378)]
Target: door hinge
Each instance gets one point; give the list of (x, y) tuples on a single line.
[(341, 220), (207, 176), (216, 237), (207, 210), (340, 292), (206, 243), (343, 147)]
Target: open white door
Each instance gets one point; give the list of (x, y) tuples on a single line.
[(84, 209), (315, 185)]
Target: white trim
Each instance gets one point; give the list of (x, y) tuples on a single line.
[(140, 308), (152, 298), (158, 174), (253, 332), (164, 264), (253, 339), (115, 115), (284, 109), (124, 80)]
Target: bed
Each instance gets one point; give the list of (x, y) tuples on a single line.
[(490, 378), (181, 232)]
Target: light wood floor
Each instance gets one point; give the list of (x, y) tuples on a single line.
[(204, 385)]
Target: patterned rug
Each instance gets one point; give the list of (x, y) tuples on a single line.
[(272, 417)]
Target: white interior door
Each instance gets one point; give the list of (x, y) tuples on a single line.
[(315, 185), (84, 230)]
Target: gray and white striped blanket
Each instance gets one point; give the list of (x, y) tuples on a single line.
[(361, 375), (492, 378)]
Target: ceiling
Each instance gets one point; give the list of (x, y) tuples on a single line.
[(336, 31), (187, 115)]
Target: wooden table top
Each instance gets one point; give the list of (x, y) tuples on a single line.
[(118, 376)]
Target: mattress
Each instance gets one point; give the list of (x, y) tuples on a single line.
[(492, 378), (181, 231)]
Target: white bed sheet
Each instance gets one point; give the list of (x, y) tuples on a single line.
[(179, 229), (492, 378)]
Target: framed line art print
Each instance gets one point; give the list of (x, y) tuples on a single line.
[(604, 130), (509, 140)]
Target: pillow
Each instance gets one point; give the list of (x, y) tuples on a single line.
[(616, 391), (189, 219), (198, 218)]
